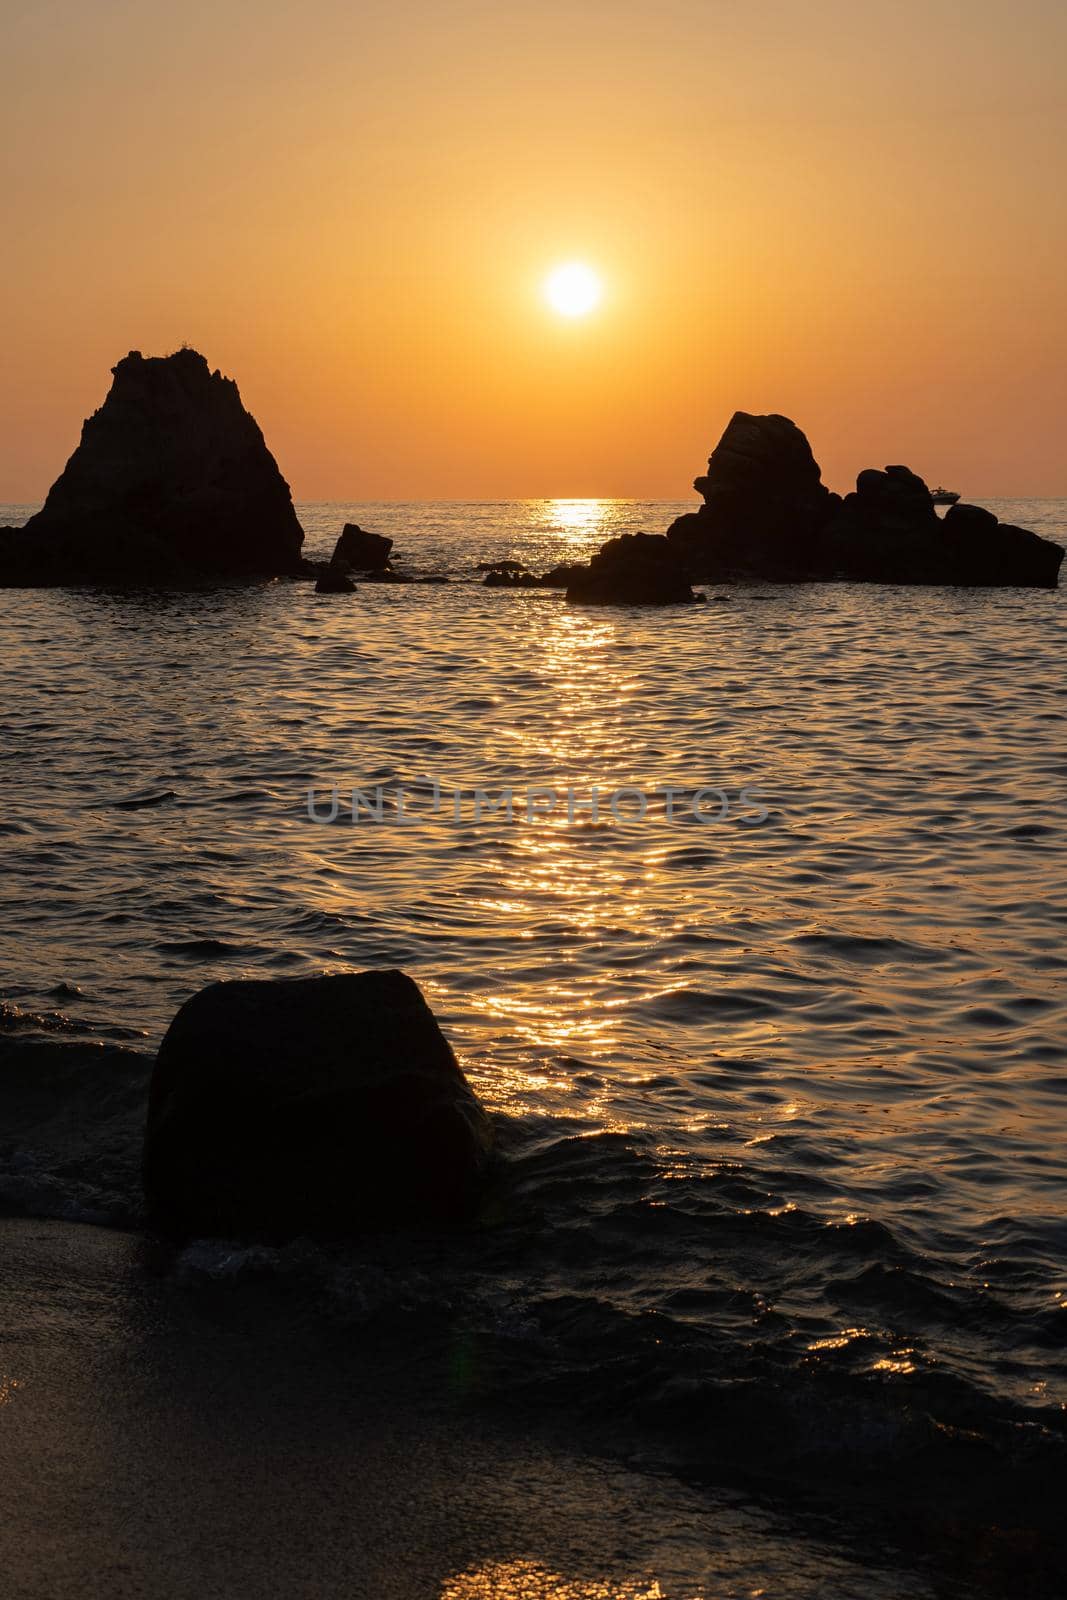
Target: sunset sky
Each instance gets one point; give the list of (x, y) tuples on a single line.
[(851, 213)]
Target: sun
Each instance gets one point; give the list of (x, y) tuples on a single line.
[(573, 289)]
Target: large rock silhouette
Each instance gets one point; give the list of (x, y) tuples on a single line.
[(888, 531), (764, 505), (322, 1105), (172, 482), (768, 517)]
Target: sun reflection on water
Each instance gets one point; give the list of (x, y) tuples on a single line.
[(529, 1580), (578, 520)]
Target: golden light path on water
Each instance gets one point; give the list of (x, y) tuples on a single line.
[(528, 1580)]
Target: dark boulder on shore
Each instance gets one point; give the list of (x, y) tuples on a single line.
[(764, 505), (172, 483), (636, 569), (327, 1105), (362, 551)]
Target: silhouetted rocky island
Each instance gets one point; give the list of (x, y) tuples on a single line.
[(172, 482), (767, 516)]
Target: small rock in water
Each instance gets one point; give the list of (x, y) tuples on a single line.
[(325, 1105), (363, 551)]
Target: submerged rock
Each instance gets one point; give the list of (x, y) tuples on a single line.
[(764, 505), (324, 1105), (335, 580), (636, 569), (386, 574), (499, 566), (363, 551), (172, 482)]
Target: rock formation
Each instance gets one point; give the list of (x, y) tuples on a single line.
[(172, 482), (764, 505), (363, 551), (322, 1105), (636, 569), (768, 517), (888, 531)]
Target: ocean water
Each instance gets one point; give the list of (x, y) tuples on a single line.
[(781, 1077)]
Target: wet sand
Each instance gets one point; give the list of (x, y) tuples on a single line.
[(159, 1441)]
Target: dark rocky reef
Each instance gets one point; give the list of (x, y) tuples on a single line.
[(511, 577), (636, 569), (768, 517), (172, 483), (764, 506), (888, 531), (362, 551), (325, 1105)]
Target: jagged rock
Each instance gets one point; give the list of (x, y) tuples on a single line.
[(363, 551), (765, 503), (499, 566), (334, 579), (172, 482), (563, 577), (314, 1105), (888, 531), (641, 569), (511, 578)]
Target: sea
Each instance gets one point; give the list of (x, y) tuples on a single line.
[(747, 922)]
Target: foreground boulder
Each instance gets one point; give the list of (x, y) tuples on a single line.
[(636, 569), (172, 482), (764, 506), (321, 1105), (363, 551), (889, 531)]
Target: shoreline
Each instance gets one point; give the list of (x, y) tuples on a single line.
[(158, 1440)]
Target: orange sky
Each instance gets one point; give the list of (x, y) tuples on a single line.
[(854, 214)]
